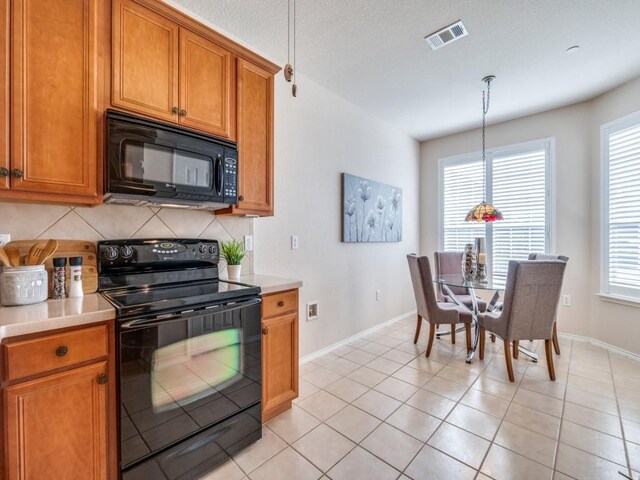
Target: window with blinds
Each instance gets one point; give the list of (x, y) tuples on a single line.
[(621, 216), (518, 183)]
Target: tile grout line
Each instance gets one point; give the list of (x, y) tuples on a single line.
[(624, 440), (564, 402)]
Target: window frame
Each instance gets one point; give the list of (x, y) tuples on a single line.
[(622, 123), (547, 143)]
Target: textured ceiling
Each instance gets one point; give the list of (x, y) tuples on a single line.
[(373, 54)]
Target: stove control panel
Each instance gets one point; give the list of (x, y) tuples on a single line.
[(160, 253)]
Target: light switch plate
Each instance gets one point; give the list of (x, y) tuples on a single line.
[(248, 243), (4, 239), (295, 244)]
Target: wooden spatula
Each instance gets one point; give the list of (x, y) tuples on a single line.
[(5, 259), (48, 250), (14, 255)]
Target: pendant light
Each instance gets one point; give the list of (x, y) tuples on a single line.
[(484, 212), (289, 71)]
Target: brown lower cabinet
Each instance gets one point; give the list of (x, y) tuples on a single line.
[(58, 405), (279, 352)]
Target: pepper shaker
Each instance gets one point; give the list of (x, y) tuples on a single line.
[(59, 278), (75, 277)]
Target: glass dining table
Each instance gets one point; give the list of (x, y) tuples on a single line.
[(449, 281)]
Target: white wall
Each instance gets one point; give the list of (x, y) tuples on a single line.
[(577, 160), (319, 135)]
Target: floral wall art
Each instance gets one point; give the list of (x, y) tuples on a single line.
[(372, 211)]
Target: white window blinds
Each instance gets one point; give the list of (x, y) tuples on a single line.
[(462, 187), (518, 183), (622, 212), (519, 191)]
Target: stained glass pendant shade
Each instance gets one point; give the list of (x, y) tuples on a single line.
[(484, 212)]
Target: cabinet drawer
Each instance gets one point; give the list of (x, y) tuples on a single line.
[(39, 355), (279, 303)]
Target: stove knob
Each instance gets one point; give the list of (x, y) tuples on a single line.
[(126, 251), (111, 253), (213, 250), (203, 248)]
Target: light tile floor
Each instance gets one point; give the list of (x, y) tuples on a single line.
[(378, 409)]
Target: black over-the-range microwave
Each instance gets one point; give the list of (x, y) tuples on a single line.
[(153, 163)]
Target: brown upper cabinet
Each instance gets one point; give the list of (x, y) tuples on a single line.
[(163, 70), (4, 95), (255, 141), (55, 81)]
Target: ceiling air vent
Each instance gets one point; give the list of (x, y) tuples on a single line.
[(446, 35)]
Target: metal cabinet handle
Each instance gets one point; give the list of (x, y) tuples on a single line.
[(4, 172), (61, 351), (175, 110), (18, 173), (281, 303), (102, 379), (241, 198), (183, 112), (265, 330)]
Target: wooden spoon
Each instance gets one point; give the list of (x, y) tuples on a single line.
[(48, 250), (5, 258), (14, 255)]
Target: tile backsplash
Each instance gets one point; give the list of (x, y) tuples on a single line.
[(109, 222)]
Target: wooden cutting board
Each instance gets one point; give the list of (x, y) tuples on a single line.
[(68, 248)]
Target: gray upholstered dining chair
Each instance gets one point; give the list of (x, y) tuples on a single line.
[(429, 308), (450, 263), (546, 256), (531, 298)]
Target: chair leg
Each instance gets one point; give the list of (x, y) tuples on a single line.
[(418, 327), (482, 335), (515, 348), (453, 333), (549, 355), (432, 332), (493, 338), (507, 357), (556, 344), (467, 330)]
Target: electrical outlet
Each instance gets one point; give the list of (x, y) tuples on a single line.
[(248, 243), (312, 310), (378, 295), (295, 244), (4, 239), (566, 300)]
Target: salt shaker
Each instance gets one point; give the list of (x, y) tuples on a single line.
[(59, 278), (75, 277)]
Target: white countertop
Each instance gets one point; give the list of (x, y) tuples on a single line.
[(267, 283), (54, 314)]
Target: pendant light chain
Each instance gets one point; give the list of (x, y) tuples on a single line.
[(288, 31), (485, 110), (294, 44)]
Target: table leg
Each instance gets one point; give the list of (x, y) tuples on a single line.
[(474, 320)]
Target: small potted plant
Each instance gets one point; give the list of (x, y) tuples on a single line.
[(232, 252)]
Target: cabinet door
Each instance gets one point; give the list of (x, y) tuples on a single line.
[(4, 94), (255, 139), (56, 427), (145, 61), (55, 101), (207, 85), (280, 362)]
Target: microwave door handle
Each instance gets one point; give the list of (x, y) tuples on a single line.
[(163, 319), (219, 175)]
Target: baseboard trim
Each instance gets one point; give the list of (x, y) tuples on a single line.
[(325, 350), (600, 344)]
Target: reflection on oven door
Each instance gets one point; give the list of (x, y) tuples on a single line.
[(187, 371)]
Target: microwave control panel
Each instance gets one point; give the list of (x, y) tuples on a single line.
[(230, 184)]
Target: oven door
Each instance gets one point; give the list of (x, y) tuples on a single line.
[(185, 377)]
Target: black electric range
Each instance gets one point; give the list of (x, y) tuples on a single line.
[(189, 357)]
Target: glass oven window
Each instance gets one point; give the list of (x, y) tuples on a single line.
[(178, 377), (150, 163)]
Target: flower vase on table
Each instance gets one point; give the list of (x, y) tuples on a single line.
[(468, 263)]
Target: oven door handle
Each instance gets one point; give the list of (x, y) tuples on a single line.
[(227, 307)]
